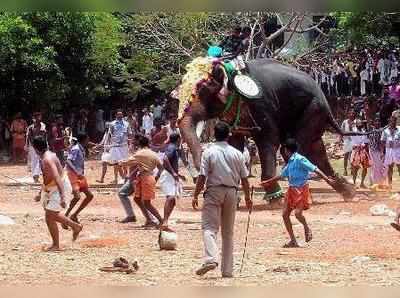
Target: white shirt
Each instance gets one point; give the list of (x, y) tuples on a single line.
[(346, 127), (147, 122), (222, 164)]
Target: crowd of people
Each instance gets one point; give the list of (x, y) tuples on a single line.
[(146, 148), (355, 72)]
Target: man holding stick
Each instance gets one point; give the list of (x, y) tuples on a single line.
[(222, 169)]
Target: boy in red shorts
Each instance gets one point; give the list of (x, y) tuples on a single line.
[(75, 166), (298, 197)]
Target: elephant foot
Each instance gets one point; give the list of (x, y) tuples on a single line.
[(342, 186), (273, 194)]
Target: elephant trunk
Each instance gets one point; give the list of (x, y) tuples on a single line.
[(189, 136)]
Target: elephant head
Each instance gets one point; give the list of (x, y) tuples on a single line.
[(210, 96)]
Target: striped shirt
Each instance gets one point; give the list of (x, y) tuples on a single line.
[(297, 170)]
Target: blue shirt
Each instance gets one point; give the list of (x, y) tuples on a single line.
[(297, 170), (171, 151), (77, 157)]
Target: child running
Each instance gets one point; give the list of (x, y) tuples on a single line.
[(54, 194), (75, 166), (298, 197)]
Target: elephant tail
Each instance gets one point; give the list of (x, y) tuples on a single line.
[(333, 123)]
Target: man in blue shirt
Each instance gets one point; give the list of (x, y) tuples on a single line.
[(298, 196), (75, 166)]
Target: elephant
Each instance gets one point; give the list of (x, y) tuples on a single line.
[(292, 106)]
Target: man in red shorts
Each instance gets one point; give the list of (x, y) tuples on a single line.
[(75, 166), (298, 197), (147, 162)]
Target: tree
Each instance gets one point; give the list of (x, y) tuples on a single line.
[(57, 58)]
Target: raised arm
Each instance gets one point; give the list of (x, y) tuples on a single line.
[(270, 181), (323, 176)]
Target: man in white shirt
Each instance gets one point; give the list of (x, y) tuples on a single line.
[(348, 125), (120, 133), (363, 81), (147, 123), (222, 170)]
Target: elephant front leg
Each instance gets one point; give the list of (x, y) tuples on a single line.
[(267, 153)]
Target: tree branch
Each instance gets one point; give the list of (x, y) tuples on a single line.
[(290, 37), (269, 39)]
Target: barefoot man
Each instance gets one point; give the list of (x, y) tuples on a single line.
[(298, 196), (143, 185), (55, 190), (76, 171)]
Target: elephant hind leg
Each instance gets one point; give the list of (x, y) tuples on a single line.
[(311, 145)]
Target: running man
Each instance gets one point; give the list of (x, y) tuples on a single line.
[(54, 194), (298, 197), (75, 166)]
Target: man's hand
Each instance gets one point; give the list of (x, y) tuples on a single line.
[(265, 183), (183, 178), (195, 203), (331, 181)]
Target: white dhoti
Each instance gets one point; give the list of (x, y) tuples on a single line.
[(169, 186), (392, 156), (34, 162), (106, 157), (119, 153), (51, 199)]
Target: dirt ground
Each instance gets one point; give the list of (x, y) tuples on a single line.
[(350, 246)]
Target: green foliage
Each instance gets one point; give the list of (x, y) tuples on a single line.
[(363, 29), (58, 59), (63, 57)]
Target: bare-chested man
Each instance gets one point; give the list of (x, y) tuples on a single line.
[(54, 193)]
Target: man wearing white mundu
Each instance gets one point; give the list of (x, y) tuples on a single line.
[(120, 133)]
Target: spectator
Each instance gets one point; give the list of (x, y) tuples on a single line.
[(348, 125), (18, 131), (37, 129), (56, 139), (147, 122)]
